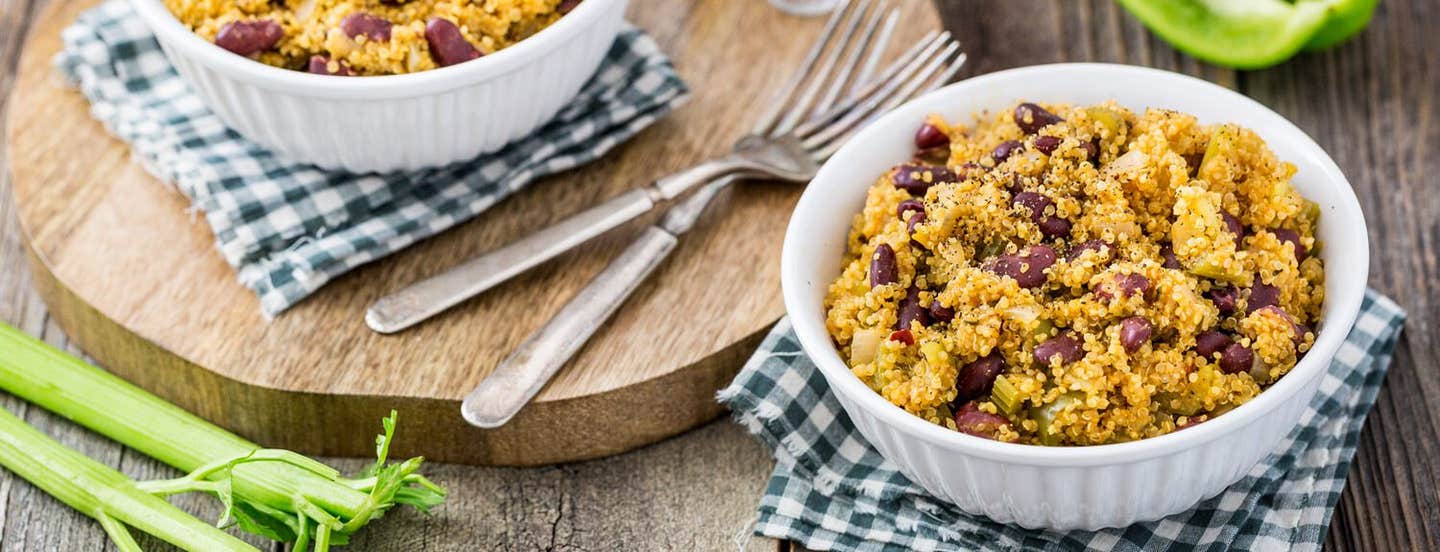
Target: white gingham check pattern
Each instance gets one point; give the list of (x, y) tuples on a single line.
[(287, 227), (831, 491)]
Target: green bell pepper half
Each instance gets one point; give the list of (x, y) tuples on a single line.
[(1251, 34)]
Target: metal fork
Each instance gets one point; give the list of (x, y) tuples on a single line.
[(525, 371), (787, 145)]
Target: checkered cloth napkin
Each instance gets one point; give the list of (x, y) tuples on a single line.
[(287, 227), (832, 491)]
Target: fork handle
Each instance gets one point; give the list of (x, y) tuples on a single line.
[(421, 300), (522, 374)]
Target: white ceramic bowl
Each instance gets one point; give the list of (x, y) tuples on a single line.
[(397, 122), (1071, 487)]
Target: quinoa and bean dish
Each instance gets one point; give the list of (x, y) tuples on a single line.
[(1064, 275), (366, 37)]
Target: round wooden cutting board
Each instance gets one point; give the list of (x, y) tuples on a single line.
[(135, 280)]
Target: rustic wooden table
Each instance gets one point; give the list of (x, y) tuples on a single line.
[(1371, 103)]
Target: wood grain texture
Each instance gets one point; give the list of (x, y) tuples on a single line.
[(133, 276)]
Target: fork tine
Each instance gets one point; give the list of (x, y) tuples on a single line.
[(842, 79), (820, 129), (912, 87), (877, 52), (767, 121), (911, 82), (922, 49), (949, 73), (911, 91), (798, 110)]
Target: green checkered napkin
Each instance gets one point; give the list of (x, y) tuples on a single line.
[(832, 491), (287, 227)]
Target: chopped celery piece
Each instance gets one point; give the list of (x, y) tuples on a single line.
[(1312, 212), (944, 412), (1178, 403), (1108, 118), (1222, 143), (934, 353), (1005, 396), (865, 344), (1045, 417), (991, 249), (1043, 330)]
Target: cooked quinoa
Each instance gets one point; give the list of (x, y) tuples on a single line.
[(1065, 275), (366, 37)]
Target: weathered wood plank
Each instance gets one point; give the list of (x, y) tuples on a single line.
[(1371, 104)]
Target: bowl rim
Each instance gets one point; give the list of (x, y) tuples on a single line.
[(816, 342), (171, 31)]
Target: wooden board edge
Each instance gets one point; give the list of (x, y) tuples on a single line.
[(594, 425)]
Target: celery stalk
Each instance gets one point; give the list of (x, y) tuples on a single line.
[(277, 494), (103, 493)]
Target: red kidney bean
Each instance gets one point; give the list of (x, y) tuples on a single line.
[(1066, 346), (1132, 284), (1092, 151), (882, 266), (1026, 269), (249, 37), (1050, 225), (1016, 185), (1235, 227), (1031, 118), (929, 136), (320, 65), (904, 336), (970, 420), (447, 45), (1005, 150), (1054, 227), (1261, 296), (1235, 359), (1088, 245), (1211, 342), (913, 178), (1293, 238), (1134, 332), (566, 5), (1046, 144), (1298, 330), (976, 378), (915, 220), (940, 313), (1192, 421), (1035, 202), (1126, 285), (372, 26), (1224, 298), (911, 311), (909, 205), (1168, 253), (969, 169), (1192, 161)]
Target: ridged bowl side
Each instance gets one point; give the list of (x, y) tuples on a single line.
[(1082, 497), (427, 129)]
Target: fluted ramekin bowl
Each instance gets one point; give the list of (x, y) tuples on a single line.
[(397, 122), (1071, 487)]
